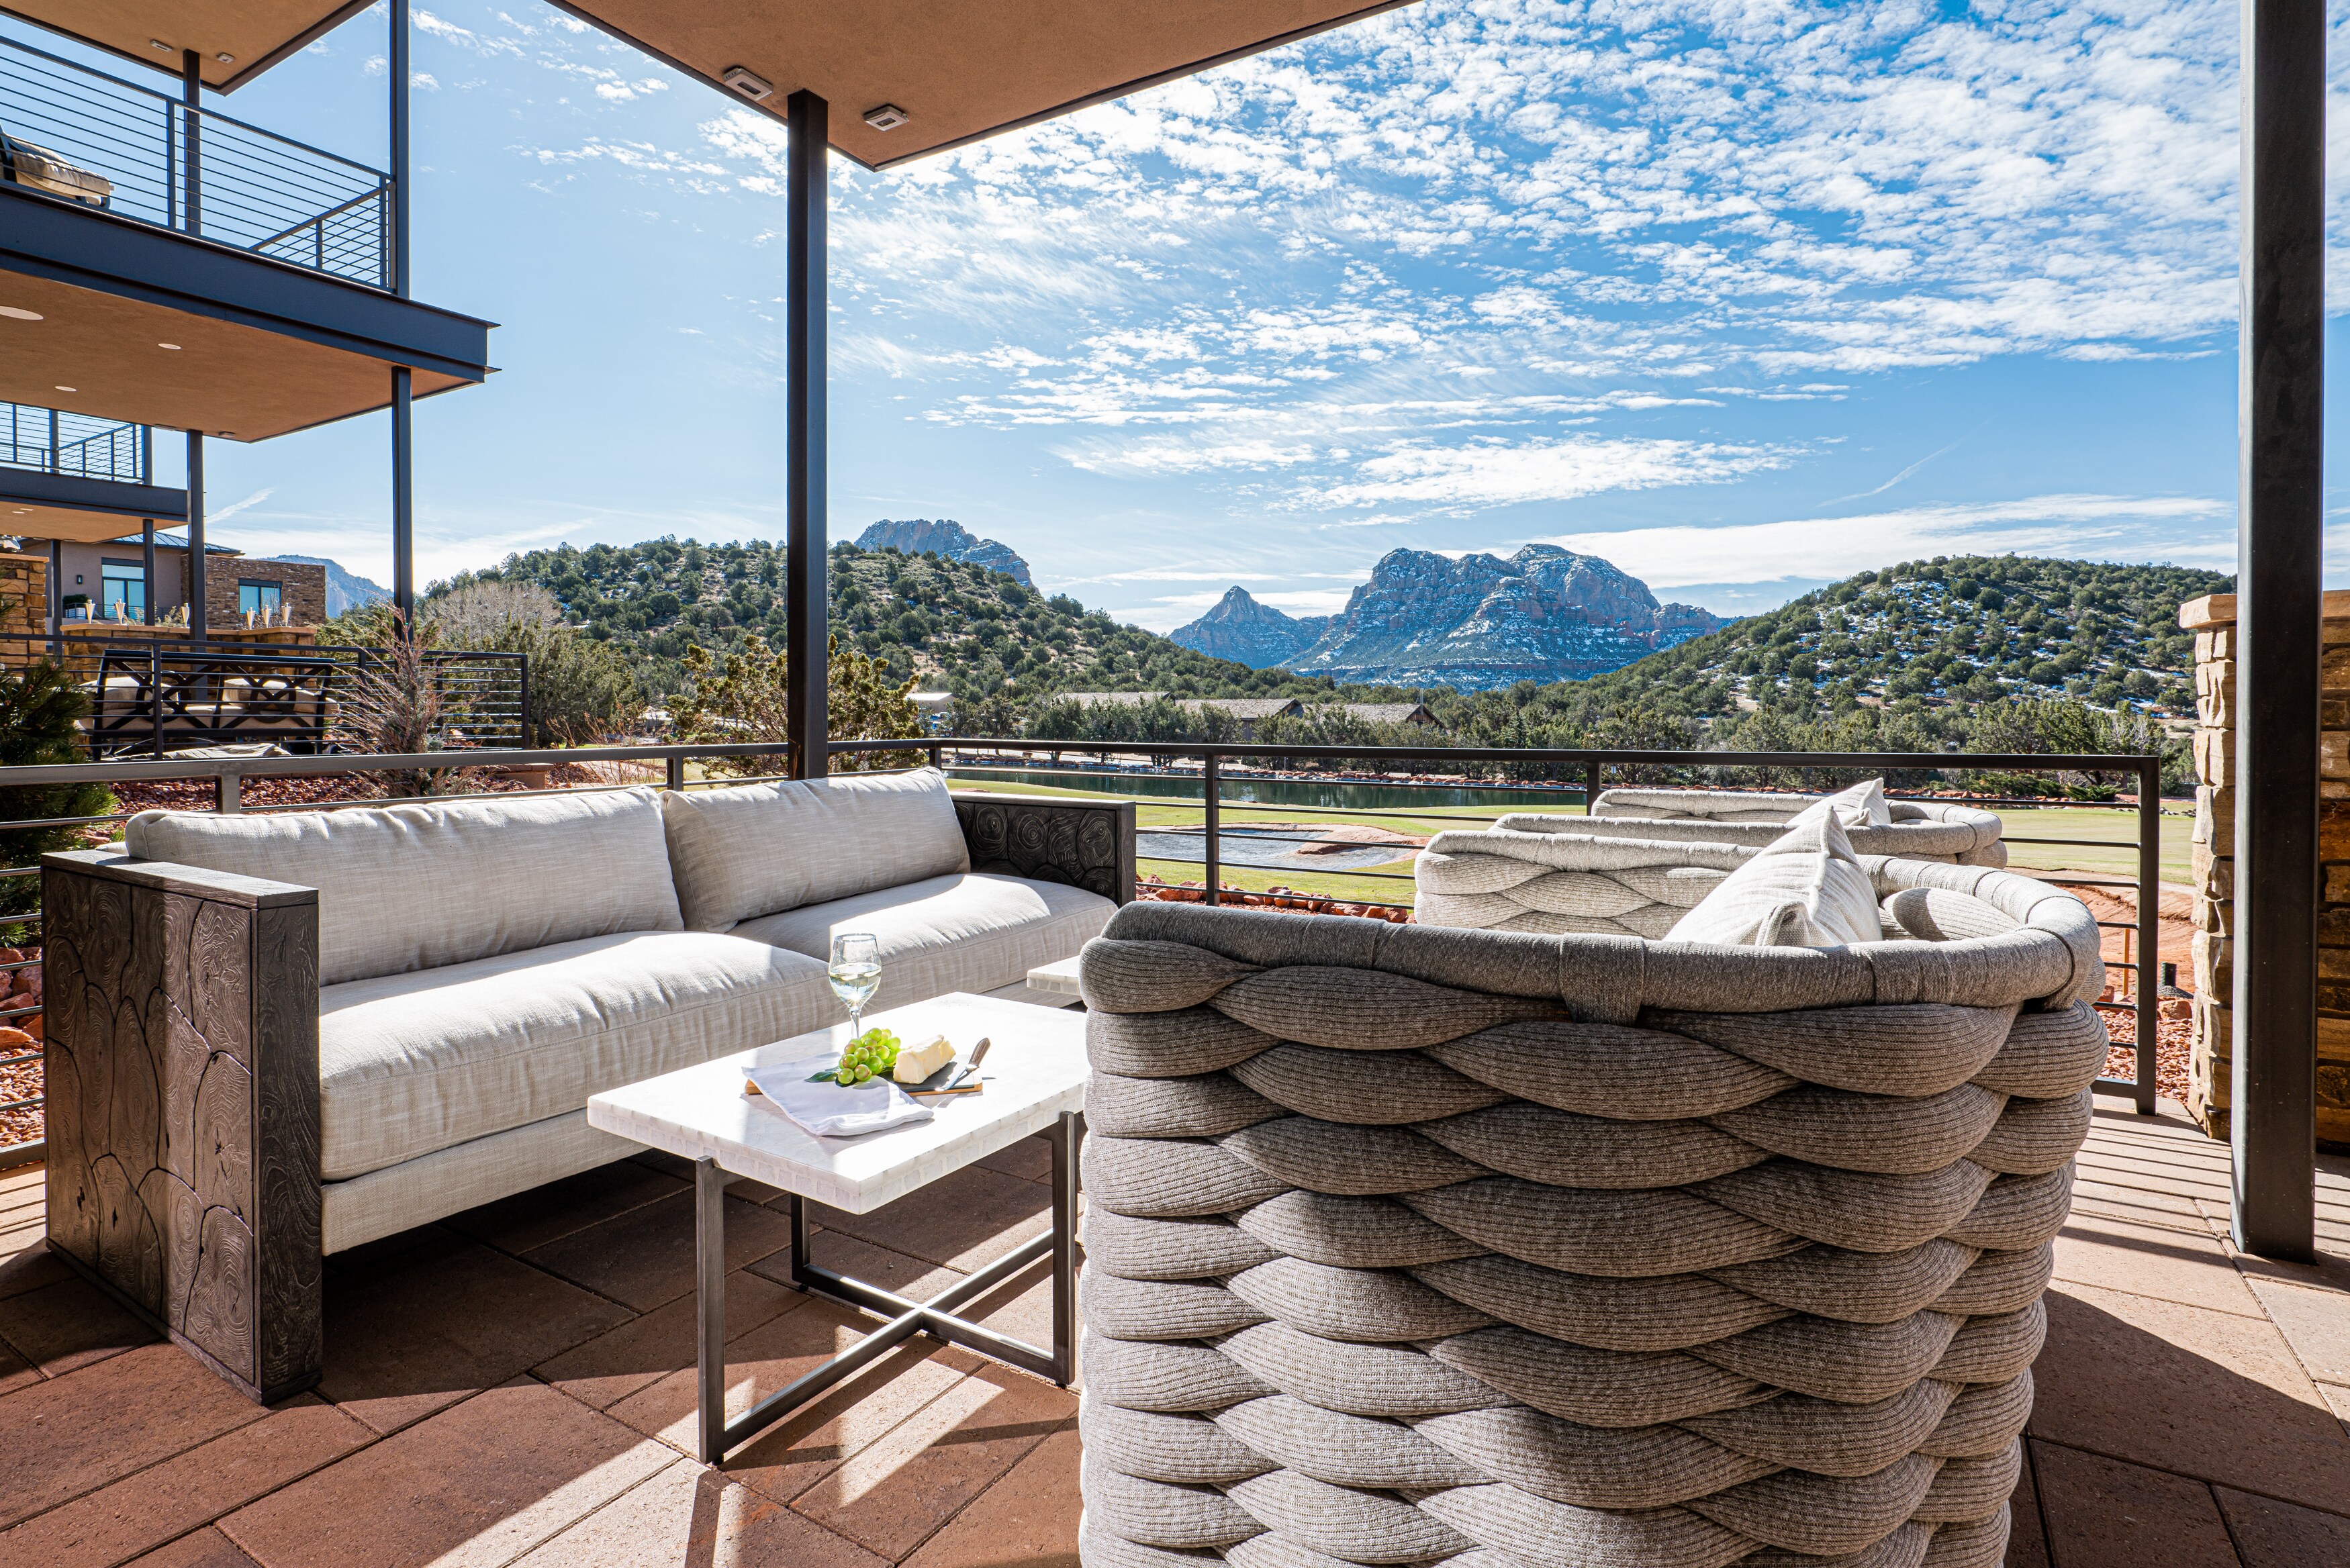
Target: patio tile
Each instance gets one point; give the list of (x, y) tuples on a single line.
[(2186, 1266), (453, 1319), (2316, 1323), (1031, 1160), (964, 1221), (547, 1213), (29, 1271), (611, 1366), (478, 1484), (64, 1437), (1021, 1306), (789, 1456), (190, 1489), (644, 1257), (207, 1548), (1030, 1517), (14, 1370), (690, 1514), (68, 1325), (896, 1493), (2272, 1534), (2187, 1389), (2105, 1513), (2027, 1542)]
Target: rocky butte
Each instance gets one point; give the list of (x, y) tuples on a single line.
[(1545, 614), (951, 541)]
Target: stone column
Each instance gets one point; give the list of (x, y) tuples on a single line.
[(2212, 619)]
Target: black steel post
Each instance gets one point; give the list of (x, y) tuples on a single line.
[(57, 597), (2150, 928), (404, 494), (805, 700), (1211, 826), (191, 92), (710, 1306), (397, 263), (1591, 789), (2279, 528), (147, 563), (193, 573)]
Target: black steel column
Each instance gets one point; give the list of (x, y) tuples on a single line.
[(57, 597), (805, 609), (403, 497), (147, 559), (398, 260), (2279, 528), (192, 91), (193, 573)]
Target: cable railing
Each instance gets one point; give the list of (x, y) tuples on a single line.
[(1219, 779), (84, 136), (52, 440)]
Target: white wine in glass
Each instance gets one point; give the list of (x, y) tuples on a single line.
[(856, 974)]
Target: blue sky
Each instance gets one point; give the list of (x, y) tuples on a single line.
[(1743, 296)]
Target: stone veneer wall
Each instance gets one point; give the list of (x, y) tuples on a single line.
[(2212, 619), (303, 587), (24, 596)]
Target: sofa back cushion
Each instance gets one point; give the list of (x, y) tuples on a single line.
[(1805, 890), (763, 848), (415, 886)]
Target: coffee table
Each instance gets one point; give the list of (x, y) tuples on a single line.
[(1035, 1076)]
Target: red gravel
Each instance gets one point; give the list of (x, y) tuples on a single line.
[(2173, 1046)]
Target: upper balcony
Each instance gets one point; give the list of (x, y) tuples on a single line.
[(69, 476), (165, 265), (113, 145)]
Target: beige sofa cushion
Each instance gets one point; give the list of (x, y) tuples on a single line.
[(967, 932), (1806, 890), (410, 1064), (758, 849), (421, 886)]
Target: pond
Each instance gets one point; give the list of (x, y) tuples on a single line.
[(1333, 794), (1261, 847)]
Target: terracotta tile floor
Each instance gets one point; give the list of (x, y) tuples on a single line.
[(509, 1386)]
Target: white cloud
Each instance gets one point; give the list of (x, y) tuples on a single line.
[(1561, 470), (2103, 526)]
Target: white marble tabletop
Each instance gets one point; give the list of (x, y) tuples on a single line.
[(1059, 979), (1034, 1072)]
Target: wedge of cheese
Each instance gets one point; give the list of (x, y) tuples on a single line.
[(916, 1062)]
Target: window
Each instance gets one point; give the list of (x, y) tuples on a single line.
[(122, 594), (253, 598)]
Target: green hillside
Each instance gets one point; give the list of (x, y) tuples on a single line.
[(975, 631)]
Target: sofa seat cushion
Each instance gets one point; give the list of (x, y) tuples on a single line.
[(973, 932), (413, 1062)]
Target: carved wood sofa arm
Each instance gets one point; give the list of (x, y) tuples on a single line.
[(1087, 844), (181, 1050)]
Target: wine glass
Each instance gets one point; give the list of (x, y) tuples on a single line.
[(856, 974)]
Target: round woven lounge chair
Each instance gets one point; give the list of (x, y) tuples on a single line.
[(1408, 1244), (1920, 829)]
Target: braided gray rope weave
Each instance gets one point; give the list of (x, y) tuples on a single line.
[(1411, 1244)]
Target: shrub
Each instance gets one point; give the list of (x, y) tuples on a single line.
[(39, 706), (746, 700)]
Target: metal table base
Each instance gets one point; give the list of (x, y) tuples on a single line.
[(906, 1318)]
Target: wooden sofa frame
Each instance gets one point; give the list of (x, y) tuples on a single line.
[(181, 1052)]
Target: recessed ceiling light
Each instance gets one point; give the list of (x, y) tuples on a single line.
[(888, 116), (68, 389), (225, 58), (174, 347), (15, 314), (750, 84), (159, 45)]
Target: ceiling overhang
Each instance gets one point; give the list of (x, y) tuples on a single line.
[(69, 506), (254, 34), (65, 522), (963, 70), (264, 347)]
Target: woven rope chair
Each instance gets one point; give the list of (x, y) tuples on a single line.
[(1920, 829), (1408, 1243)]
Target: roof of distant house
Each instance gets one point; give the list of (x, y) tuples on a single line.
[(1391, 712), (174, 541)]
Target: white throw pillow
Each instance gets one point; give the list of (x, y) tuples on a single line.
[(1807, 889), (1862, 805)]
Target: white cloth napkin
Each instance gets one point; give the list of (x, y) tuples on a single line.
[(826, 1109)]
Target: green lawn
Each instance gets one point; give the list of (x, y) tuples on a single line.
[(2088, 836)]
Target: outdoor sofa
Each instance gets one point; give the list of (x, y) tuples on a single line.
[(1919, 829), (274, 1037), (1410, 1242)]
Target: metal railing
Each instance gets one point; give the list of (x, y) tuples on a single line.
[(139, 153), (55, 442), (1568, 777)]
